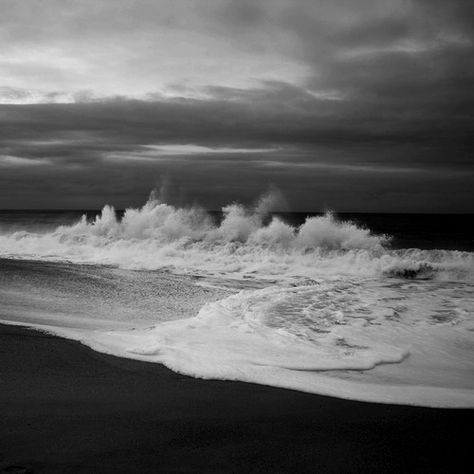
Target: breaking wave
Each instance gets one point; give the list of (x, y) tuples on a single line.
[(246, 242), (328, 307)]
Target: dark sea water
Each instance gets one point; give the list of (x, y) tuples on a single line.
[(373, 307)]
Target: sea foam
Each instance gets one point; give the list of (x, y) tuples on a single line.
[(335, 338), (246, 242), (341, 313)]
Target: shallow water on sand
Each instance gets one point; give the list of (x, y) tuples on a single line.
[(94, 296)]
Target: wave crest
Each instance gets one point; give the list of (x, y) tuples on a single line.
[(245, 241), (165, 223)]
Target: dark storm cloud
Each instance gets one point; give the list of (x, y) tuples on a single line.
[(102, 149), (357, 105)]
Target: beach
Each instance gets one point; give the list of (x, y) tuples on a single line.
[(66, 408), (236, 236)]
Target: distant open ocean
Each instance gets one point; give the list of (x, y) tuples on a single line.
[(375, 307)]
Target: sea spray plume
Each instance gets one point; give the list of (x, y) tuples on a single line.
[(106, 223), (165, 223), (154, 220), (328, 233), (277, 234), (162, 192), (271, 201), (241, 224), (170, 192)]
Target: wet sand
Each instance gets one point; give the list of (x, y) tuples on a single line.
[(65, 408)]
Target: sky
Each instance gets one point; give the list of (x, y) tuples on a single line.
[(349, 105)]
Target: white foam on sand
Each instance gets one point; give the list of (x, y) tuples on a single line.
[(336, 338)]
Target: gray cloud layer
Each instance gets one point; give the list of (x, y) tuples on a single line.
[(378, 116)]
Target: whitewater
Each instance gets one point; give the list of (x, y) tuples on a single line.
[(326, 307)]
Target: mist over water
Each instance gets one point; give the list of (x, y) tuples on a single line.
[(324, 305)]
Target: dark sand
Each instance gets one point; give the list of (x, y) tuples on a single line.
[(65, 408)]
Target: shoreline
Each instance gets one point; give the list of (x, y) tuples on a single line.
[(67, 408)]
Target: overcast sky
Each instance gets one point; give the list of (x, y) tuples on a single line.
[(353, 105)]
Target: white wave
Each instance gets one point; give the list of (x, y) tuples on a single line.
[(246, 242), (321, 339)]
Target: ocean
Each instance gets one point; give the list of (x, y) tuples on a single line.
[(372, 307)]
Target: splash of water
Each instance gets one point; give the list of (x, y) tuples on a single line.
[(246, 242)]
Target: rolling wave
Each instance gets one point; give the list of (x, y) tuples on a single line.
[(247, 242)]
